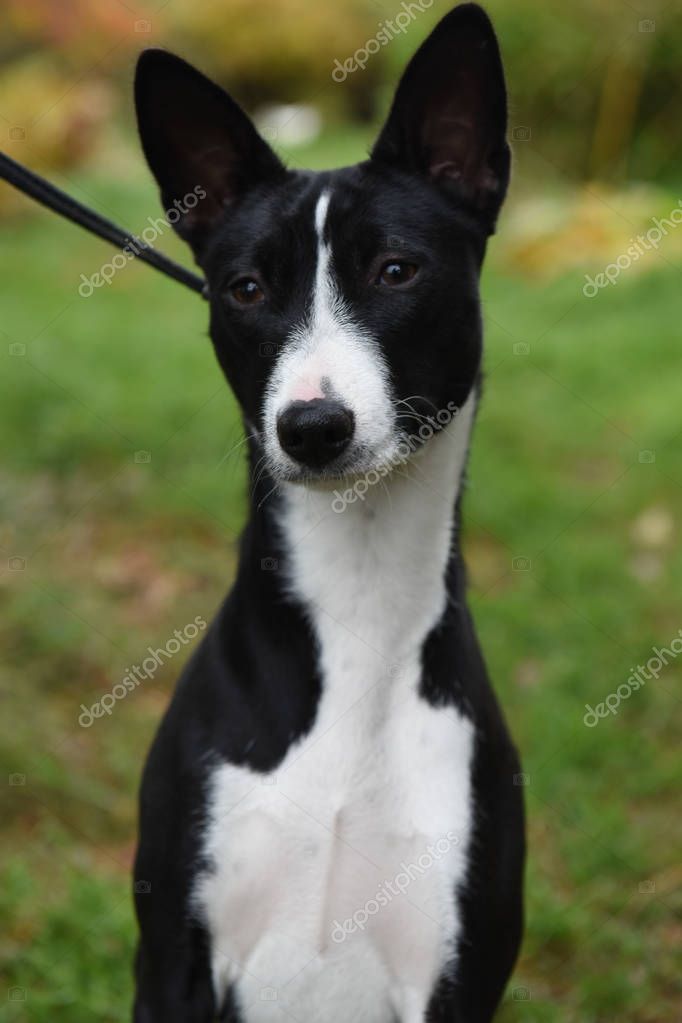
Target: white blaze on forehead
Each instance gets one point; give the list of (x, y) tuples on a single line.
[(329, 346), (321, 214)]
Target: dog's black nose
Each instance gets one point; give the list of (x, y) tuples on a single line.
[(315, 432)]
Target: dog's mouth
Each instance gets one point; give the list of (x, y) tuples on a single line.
[(361, 465)]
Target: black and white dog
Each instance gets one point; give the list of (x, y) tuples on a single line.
[(330, 830)]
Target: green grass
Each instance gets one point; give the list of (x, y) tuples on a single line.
[(118, 552)]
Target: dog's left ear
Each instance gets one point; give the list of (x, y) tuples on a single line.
[(449, 116), (198, 143)]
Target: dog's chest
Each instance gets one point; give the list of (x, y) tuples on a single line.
[(333, 893)]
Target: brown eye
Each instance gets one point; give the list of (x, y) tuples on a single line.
[(246, 291), (396, 272)]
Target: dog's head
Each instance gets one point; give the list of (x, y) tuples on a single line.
[(344, 304)]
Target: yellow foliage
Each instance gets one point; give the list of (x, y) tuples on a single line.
[(52, 122), (544, 237), (282, 48)]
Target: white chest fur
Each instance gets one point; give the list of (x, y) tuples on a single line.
[(332, 896)]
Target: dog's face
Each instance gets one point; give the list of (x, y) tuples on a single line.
[(344, 305)]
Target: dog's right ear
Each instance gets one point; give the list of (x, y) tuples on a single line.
[(449, 115), (197, 141)]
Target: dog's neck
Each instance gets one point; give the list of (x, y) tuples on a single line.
[(371, 571)]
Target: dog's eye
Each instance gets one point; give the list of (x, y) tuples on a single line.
[(396, 272), (246, 291)]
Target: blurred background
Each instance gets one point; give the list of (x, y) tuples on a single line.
[(122, 486)]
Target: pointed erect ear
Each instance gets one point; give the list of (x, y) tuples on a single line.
[(449, 116), (197, 139)]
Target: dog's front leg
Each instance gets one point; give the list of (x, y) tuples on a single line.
[(173, 981)]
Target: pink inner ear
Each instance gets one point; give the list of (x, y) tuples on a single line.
[(446, 169), (489, 180), (451, 140), (458, 154)]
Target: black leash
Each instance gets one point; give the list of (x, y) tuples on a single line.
[(54, 199)]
